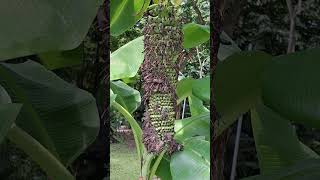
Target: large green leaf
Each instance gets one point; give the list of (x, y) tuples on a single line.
[(196, 106), (302, 170), (192, 163), (276, 141), (195, 34), (237, 85), (291, 87), (31, 27), (128, 97), (200, 145), (125, 61), (163, 170), (60, 116), (125, 13), (9, 113), (61, 59), (199, 88), (194, 126)]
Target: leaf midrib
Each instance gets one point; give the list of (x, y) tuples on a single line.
[(18, 91)]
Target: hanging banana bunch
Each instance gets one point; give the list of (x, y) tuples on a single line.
[(163, 47)]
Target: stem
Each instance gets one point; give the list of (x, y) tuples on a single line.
[(292, 15), (195, 7), (156, 164), (201, 64), (183, 108), (53, 167), (134, 125), (236, 149)]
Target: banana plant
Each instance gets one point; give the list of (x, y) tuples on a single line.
[(51, 120), (277, 91), (125, 63)]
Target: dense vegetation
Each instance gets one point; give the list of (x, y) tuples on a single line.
[(51, 100), (280, 131), (153, 75)]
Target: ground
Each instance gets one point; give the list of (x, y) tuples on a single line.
[(124, 161)]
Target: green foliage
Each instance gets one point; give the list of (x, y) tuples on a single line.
[(128, 97), (43, 26), (125, 61), (193, 126), (61, 59), (9, 113), (47, 102), (270, 132), (190, 39), (125, 13), (237, 83), (199, 88), (284, 91), (193, 162), (290, 88), (303, 170)]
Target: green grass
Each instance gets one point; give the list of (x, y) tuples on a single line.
[(124, 163)]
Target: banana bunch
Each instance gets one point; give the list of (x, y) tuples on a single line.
[(163, 45)]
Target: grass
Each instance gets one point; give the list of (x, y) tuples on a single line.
[(124, 163)]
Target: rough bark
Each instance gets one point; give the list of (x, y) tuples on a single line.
[(216, 143)]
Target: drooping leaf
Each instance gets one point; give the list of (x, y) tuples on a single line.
[(32, 27), (126, 61), (237, 85), (63, 118), (194, 126), (276, 141), (184, 88), (163, 170), (199, 145), (195, 34), (8, 115), (192, 162), (196, 106), (125, 13), (128, 97), (121, 16), (291, 87), (62, 59), (302, 170), (136, 129), (199, 88), (156, 164)]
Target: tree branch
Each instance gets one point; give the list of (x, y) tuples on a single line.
[(195, 7), (293, 11), (216, 151)]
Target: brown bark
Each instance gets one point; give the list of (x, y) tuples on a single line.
[(216, 146)]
